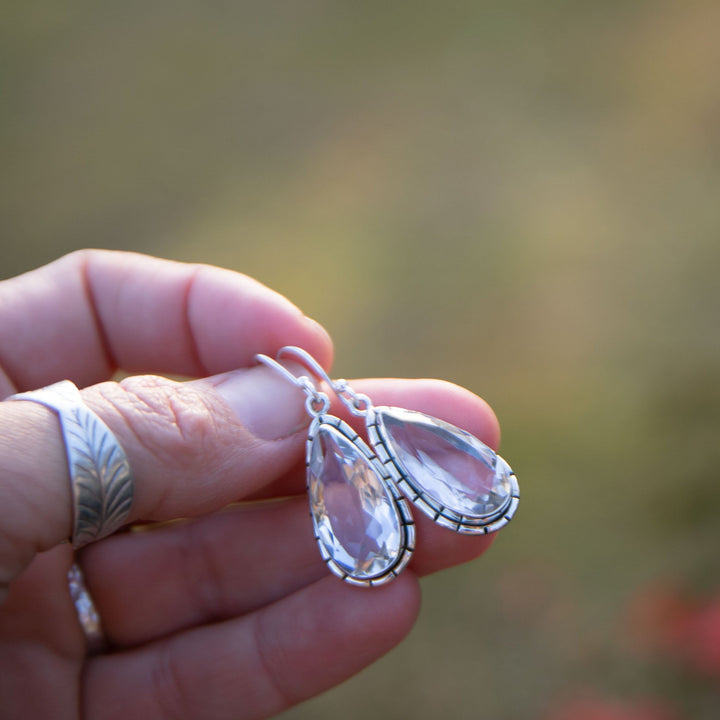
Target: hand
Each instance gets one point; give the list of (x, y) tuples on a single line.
[(230, 614)]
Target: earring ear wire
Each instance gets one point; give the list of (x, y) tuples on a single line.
[(317, 402), (305, 358)]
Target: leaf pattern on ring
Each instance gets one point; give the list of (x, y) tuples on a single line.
[(102, 481)]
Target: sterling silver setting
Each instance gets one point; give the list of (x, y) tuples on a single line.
[(442, 515), (395, 501), (461, 516), (100, 476)]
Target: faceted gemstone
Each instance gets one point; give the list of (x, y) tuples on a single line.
[(449, 465), (355, 516)]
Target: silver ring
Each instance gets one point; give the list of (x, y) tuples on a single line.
[(87, 613), (102, 483)]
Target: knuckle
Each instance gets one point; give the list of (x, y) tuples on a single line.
[(172, 421)]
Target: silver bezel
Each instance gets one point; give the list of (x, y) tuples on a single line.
[(407, 524), (466, 524)]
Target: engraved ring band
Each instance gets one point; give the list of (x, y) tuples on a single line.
[(102, 484)]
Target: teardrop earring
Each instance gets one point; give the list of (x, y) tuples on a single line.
[(448, 473), (363, 525)]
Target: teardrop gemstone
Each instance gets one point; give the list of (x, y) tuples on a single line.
[(451, 467), (356, 517)]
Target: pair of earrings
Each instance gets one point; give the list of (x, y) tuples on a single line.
[(359, 493)]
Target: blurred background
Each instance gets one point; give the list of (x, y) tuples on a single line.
[(520, 197)]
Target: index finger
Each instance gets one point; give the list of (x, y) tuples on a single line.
[(92, 312)]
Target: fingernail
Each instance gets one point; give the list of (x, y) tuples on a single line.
[(267, 404)]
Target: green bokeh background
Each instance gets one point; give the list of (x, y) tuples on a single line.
[(520, 197)]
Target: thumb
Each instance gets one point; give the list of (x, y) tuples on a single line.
[(193, 448)]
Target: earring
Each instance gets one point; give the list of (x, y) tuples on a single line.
[(448, 473), (363, 525)]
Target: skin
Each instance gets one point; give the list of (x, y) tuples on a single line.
[(230, 612)]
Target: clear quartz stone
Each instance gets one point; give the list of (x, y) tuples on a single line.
[(356, 518), (449, 465)]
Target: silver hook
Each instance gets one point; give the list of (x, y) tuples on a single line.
[(357, 403), (317, 402), (306, 359)]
